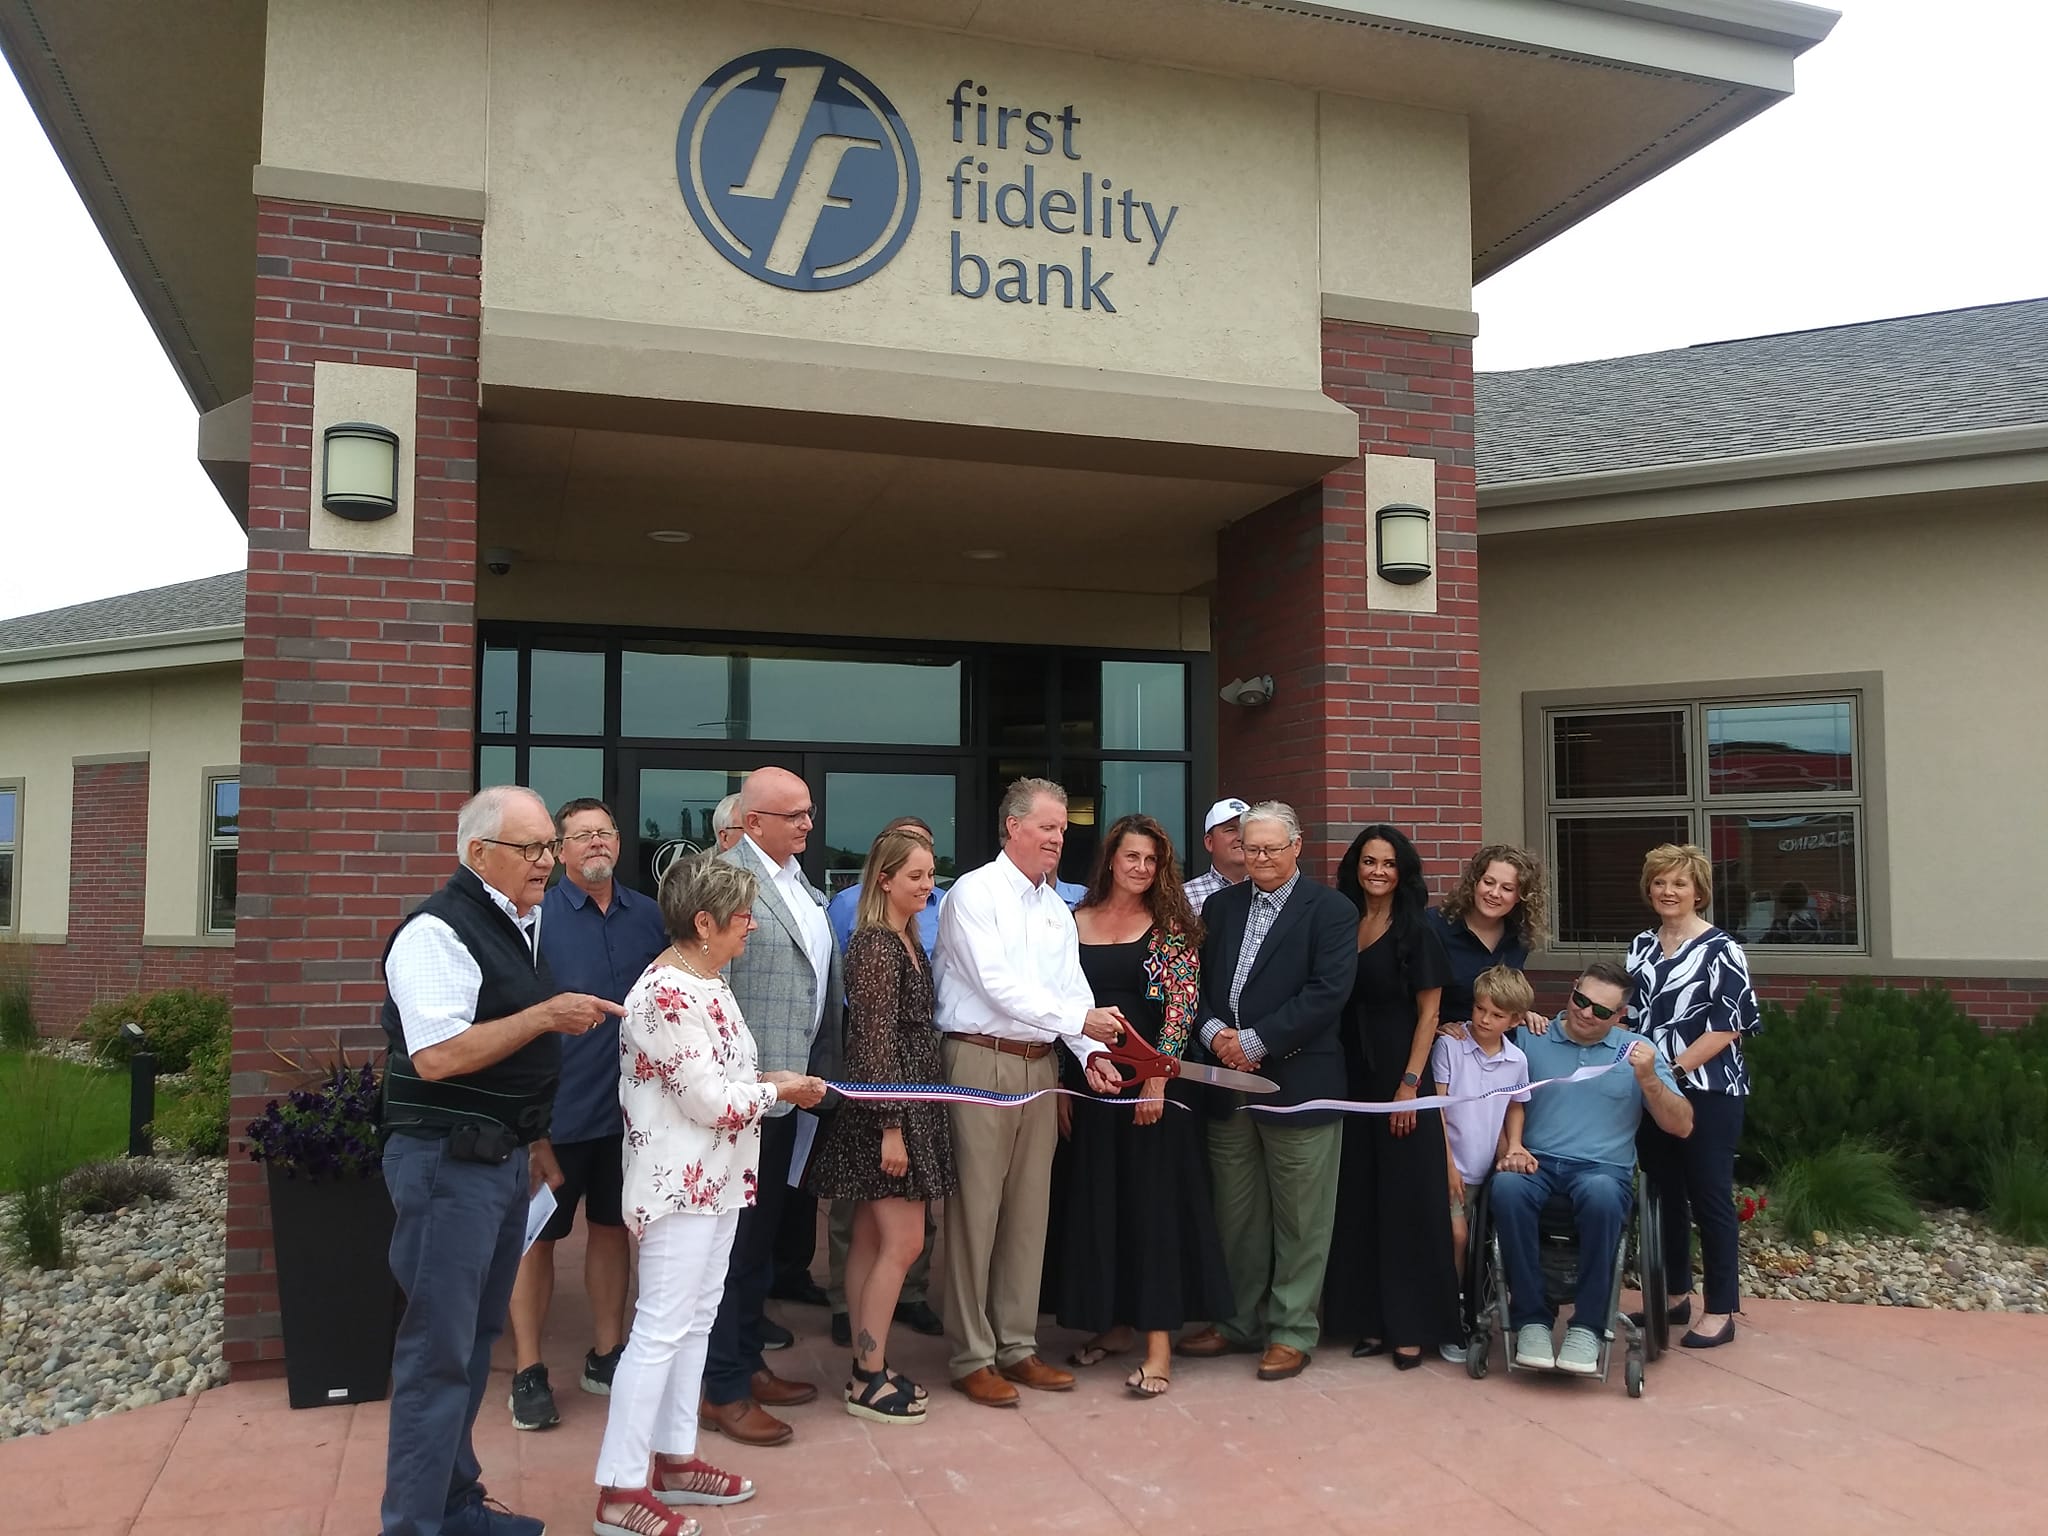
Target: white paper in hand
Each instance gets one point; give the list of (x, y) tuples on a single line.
[(538, 1210), (806, 1133)]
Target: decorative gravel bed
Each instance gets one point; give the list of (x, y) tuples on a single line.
[(1955, 1261), (136, 1318)]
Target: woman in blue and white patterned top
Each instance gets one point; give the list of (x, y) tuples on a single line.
[(1693, 999)]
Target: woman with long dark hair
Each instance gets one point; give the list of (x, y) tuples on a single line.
[(1136, 1253), (1390, 1279)]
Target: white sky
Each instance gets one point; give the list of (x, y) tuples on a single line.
[(1905, 175)]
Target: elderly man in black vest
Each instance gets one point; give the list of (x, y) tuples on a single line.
[(471, 1016)]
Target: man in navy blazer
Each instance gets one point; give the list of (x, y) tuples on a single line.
[(1277, 968)]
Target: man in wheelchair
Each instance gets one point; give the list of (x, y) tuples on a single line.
[(1578, 1141)]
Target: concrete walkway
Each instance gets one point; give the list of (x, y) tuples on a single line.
[(1819, 1419)]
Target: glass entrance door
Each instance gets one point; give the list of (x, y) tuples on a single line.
[(665, 803), (861, 794)]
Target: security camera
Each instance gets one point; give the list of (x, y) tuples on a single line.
[(498, 559), (1247, 691)]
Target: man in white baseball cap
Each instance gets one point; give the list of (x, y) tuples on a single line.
[(1225, 842)]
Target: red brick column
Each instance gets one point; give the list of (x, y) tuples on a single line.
[(357, 676), (1375, 715), (101, 956)]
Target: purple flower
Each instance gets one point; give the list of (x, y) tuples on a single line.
[(329, 1131)]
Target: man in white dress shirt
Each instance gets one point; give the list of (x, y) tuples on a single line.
[(1010, 988)]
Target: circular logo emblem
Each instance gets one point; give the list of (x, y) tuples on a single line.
[(668, 853), (797, 169)]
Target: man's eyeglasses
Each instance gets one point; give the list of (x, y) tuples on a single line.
[(1603, 1014), (1253, 851), (531, 852), (808, 813), (604, 834)]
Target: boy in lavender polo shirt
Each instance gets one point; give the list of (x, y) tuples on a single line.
[(1483, 1061)]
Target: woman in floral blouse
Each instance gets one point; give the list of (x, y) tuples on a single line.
[(693, 1099), (1135, 1253)]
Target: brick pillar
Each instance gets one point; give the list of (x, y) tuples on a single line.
[(358, 673), (1375, 715), (101, 956)]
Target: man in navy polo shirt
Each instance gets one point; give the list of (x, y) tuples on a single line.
[(597, 937), (1578, 1139)]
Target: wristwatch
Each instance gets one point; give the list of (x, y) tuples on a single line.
[(1410, 1080)]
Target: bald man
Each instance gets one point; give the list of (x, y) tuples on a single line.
[(787, 983)]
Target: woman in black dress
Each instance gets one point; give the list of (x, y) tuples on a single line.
[(1137, 1250), (888, 1158), (1390, 1279)]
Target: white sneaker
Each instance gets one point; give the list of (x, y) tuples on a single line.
[(1532, 1348), (1581, 1352), (1455, 1353)]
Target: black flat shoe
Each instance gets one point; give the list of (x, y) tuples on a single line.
[(1365, 1349), (1697, 1340), (1407, 1362), (1678, 1316)]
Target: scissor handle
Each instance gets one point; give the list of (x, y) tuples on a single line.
[(1137, 1061)]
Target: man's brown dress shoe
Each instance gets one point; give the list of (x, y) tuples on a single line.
[(745, 1421), (1034, 1373), (774, 1391), (987, 1388), (1208, 1344), (1281, 1361)]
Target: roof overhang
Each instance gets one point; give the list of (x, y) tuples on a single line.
[(1994, 460), (156, 110), (180, 650)]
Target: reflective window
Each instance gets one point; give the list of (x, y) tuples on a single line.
[(675, 815), (223, 836), (497, 711), (10, 843), (1782, 879), (797, 698), (1803, 746), (859, 805), (496, 765), (1158, 790), (1144, 707), (1599, 867), (559, 774), (1619, 756), (567, 694), (1016, 703), (674, 695)]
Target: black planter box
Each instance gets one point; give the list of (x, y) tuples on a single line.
[(332, 1242)]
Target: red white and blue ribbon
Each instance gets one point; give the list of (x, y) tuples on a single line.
[(950, 1093)]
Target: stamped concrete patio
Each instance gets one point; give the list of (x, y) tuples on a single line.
[(1821, 1419)]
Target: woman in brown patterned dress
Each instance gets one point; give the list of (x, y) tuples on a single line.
[(888, 1158)]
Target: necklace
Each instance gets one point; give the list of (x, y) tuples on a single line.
[(684, 962)]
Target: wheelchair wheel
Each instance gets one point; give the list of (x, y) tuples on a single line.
[(1633, 1374), (1650, 1264), (1476, 1350)]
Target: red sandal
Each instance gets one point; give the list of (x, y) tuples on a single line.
[(692, 1480), (641, 1514)]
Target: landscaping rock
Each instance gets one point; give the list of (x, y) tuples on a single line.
[(1955, 1261)]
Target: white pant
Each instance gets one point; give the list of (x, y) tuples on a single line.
[(655, 1390)]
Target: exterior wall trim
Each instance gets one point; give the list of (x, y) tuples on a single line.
[(332, 189), (1390, 312), (132, 653), (91, 758), (188, 941), (1878, 960)]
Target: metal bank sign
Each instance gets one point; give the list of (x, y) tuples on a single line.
[(800, 172)]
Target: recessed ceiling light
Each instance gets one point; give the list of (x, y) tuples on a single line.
[(982, 554), (669, 536)]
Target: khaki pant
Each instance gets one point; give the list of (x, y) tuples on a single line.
[(1276, 1202), (995, 1225), (917, 1280)]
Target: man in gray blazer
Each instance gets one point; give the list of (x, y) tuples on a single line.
[(788, 987)]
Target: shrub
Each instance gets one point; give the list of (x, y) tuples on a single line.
[(17, 1005), (94, 1189), (196, 1121), (1851, 1187), (42, 1104), (1906, 1070), (176, 1023), (2016, 1192)]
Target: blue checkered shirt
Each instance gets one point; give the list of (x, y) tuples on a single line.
[(1258, 923)]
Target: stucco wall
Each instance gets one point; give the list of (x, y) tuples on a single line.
[(1943, 601), (187, 723)]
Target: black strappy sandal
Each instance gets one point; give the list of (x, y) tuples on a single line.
[(856, 1377), (885, 1398)]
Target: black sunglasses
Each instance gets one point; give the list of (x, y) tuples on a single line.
[(1580, 1000)]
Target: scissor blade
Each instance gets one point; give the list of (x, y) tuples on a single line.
[(1223, 1077)]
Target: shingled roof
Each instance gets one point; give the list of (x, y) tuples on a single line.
[(1955, 371), (208, 603)]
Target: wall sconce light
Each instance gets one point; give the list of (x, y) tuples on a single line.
[(1401, 546), (1247, 692), (359, 474)]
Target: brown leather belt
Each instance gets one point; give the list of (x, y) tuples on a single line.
[(1030, 1050)]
